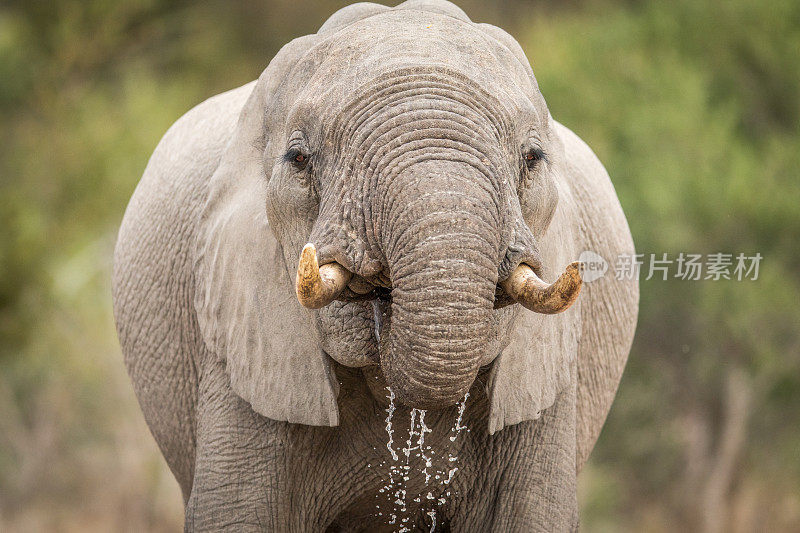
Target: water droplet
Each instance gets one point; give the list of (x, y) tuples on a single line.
[(415, 447), (377, 315), (462, 405), (389, 430), (432, 514)]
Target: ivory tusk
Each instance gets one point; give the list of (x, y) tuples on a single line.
[(317, 286), (524, 286)]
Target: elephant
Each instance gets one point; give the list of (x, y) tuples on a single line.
[(329, 288)]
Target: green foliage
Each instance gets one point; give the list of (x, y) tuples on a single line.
[(692, 106)]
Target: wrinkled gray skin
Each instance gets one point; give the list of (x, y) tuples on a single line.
[(415, 123)]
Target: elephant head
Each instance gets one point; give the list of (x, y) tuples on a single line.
[(409, 152)]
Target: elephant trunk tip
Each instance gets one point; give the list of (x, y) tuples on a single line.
[(427, 397)]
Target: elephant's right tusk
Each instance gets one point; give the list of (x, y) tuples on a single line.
[(524, 286), (318, 286)]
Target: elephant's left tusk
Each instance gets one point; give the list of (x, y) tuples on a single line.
[(524, 286), (318, 286)]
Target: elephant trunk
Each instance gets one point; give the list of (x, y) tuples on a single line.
[(442, 249)]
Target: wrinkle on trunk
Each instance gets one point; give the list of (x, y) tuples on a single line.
[(442, 253)]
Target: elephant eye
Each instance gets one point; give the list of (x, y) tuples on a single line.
[(533, 156), (297, 157)]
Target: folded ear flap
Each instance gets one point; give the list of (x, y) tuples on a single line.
[(539, 361), (245, 302)]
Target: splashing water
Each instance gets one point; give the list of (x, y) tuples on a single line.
[(450, 475), (399, 473), (462, 405), (389, 430), (432, 514), (421, 446), (411, 432), (376, 315)]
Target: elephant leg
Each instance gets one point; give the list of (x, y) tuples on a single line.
[(530, 479), (538, 492), (239, 472)]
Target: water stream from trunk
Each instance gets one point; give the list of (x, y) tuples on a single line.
[(399, 470)]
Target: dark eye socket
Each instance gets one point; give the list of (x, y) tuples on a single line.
[(297, 156), (533, 156)]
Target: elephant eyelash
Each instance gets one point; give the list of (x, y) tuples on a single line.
[(296, 157), (533, 156)]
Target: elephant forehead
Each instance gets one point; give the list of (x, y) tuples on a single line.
[(424, 98), (376, 47)]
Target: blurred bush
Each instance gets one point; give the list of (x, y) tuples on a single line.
[(692, 106)]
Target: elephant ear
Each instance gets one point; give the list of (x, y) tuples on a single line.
[(539, 361), (245, 303)]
